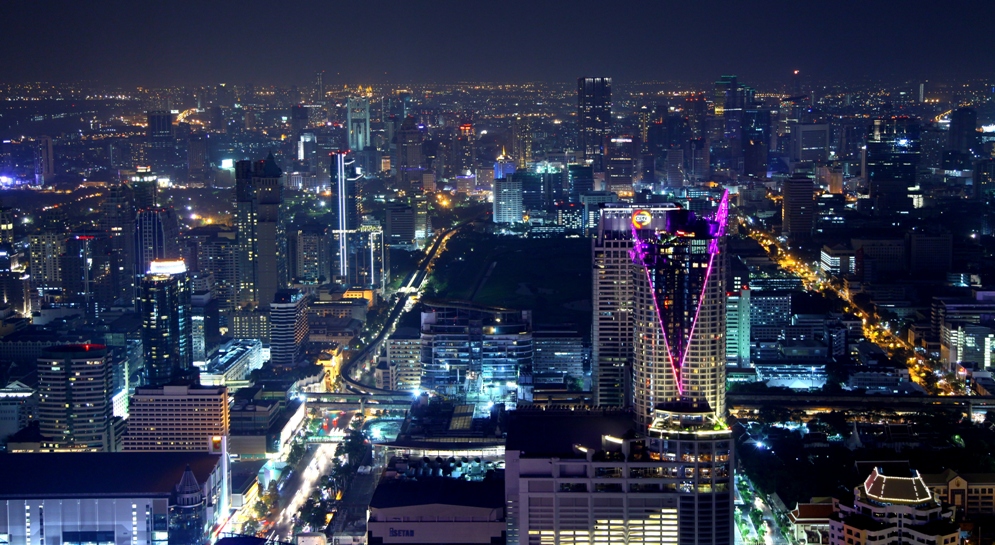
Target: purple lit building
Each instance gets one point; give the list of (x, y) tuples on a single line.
[(679, 313)]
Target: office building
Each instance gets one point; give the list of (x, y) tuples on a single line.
[(930, 251), (890, 162), (504, 166), (620, 166), (404, 355), (507, 206), (594, 118), (797, 208), (43, 257), (74, 399), (262, 243), (595, 477), (112, 498), (160, 140), (288, 327), (156, 237), (358, 122), (44, 161), (175, 418), (310, 254), (18, 408), (613, 294), (400, 228), (810, 142), (473, 349), (890, 509), (679, 310), (962, 137), (167, 328), (738, 327)]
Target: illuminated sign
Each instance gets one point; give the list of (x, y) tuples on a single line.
[(227, 163), (167, 267), (641, 219)]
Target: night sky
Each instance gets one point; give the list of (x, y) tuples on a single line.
[(180, 42)]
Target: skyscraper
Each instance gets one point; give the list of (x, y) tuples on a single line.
[(345, 208), (508, 200), (797, 208), (160, 140), (167, 330), (288, 327), (262, 242), (358, 122), (890, 162), (679, 309), (45, 161), (74, 401), (594, 117), (156, 237), (963, 133), (177, 418), (613, 294), (310, 257)]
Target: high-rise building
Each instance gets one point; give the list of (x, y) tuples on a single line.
[(160, 139), (410, 155), (369, 264), (117, 220), (620, 166), (465, 151), (404, 355), (345, 208), (504, 166), (810, 142), (508, 200), (288, 327), (400, 228), (594, 117), (174, 418), (963, 134), (473, 349), (43, 256), (679, 309), (669, 484), (613, 293), (890, 162), (74, 398), (156, 237), (45, 161), (311, 259), (262, 241), (797, 208), (521, 147), (358, 122), (165, 307)]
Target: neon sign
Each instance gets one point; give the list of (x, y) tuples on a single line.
[(641, 219)]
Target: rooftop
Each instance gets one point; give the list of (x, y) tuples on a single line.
[(488, 493), (93, 474), (555, 432)]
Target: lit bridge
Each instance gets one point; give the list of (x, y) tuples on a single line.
[(396, 401)]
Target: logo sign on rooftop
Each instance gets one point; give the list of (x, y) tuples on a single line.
[(641, 219)]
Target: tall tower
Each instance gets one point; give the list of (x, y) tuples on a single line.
[(679, 310), (358, 122), (167, 328), (594, 117), (262, 241), (156, 237), (45, 161), (74, 402), (797, 208), (521, 148), (613, 294), (160, 139), (288, 327), (345, 207), (890, 162)]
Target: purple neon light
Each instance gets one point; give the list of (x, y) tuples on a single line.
[(639, 255)]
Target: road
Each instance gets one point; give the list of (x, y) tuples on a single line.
[(813, 279), (414, 283), (298, 487)]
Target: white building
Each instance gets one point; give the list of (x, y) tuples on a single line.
[(111, 498), (178, 418), (892, 509), (508, 200)]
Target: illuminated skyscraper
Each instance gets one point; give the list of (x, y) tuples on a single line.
[(890, 162), (508, 200), (358, 122), (521, 141), (679, 309), (594, 117), (504, 166), (345, 208), (613, 293), (167, 329), (262, 242), (288, 327), (156, 237)]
